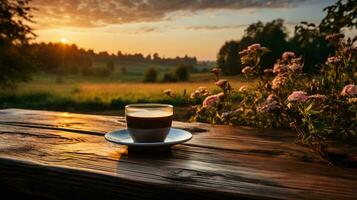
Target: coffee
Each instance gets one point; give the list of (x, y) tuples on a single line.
[(149, 122), (147, 119)]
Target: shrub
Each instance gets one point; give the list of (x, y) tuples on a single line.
[(110, 66), (150, 75), (102, 72), (123, 70), (321, 110), (182, 72), (168, 77)]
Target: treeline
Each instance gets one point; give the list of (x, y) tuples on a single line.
[(177, 74), (63, 58), (308, 39)]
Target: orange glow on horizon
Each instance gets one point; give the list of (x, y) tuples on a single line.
[(64, 40)]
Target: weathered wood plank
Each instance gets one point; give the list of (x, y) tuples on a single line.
[(66, 154)]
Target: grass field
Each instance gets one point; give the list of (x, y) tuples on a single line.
[(94, 94)]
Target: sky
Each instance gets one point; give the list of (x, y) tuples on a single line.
[(169, 27)]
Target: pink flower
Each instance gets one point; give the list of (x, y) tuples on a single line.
[(246, 70), (212, 100), (335, 37), (278, 81), (254, 47), (333, 59), (200, 91), (288, 55), (318, 96), (280, 68), (269, 104), (298, 96), (349, 90), (216, 70), (222, 83), (271, 97), (347, 50)]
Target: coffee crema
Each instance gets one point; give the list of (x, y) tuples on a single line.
[(149, 119)]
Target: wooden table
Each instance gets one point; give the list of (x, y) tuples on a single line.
[(55, 155)]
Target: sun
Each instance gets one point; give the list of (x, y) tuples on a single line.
[(64, 40)]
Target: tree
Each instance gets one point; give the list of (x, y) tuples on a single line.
[(169, 77), (272, 35), (150, 75), (123, 70), (309, 39), (228, 58), (311, 45), (182, 72), (15, 33), (339, 15), (110, 65)]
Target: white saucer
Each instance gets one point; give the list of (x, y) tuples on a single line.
[(175, 136)]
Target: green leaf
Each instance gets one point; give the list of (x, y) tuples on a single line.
[(313, 112), (308, 107)]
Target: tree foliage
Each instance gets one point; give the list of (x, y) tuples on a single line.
[(228, 59), (15, 33), (309, 43), (308, 40), (339, 15), (150, 75), (182, 72), (69, 58), (272, 35)]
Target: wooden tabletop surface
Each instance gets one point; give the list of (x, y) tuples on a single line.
[(56, 155)]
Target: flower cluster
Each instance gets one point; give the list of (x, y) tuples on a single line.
[(279, 81), (270, 104), (280, 68), (335, 37), (349, 90), (216, 71), (288, 63), (333, 60), (301, 96), (212, 100), (199, 92), (314, 107), (298, 96), (250, 58)]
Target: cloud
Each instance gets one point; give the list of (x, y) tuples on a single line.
[(97, 13), (135, 31), (208, 27)]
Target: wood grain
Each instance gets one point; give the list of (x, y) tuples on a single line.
[(56, 155)]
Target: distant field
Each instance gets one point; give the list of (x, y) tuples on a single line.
[(83, 94), (134, 72)]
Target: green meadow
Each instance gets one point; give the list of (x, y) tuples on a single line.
[(106, 95)]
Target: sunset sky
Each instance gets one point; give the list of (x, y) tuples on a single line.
[(169, 27)]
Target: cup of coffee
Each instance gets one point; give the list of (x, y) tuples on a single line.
[(148, 122)]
